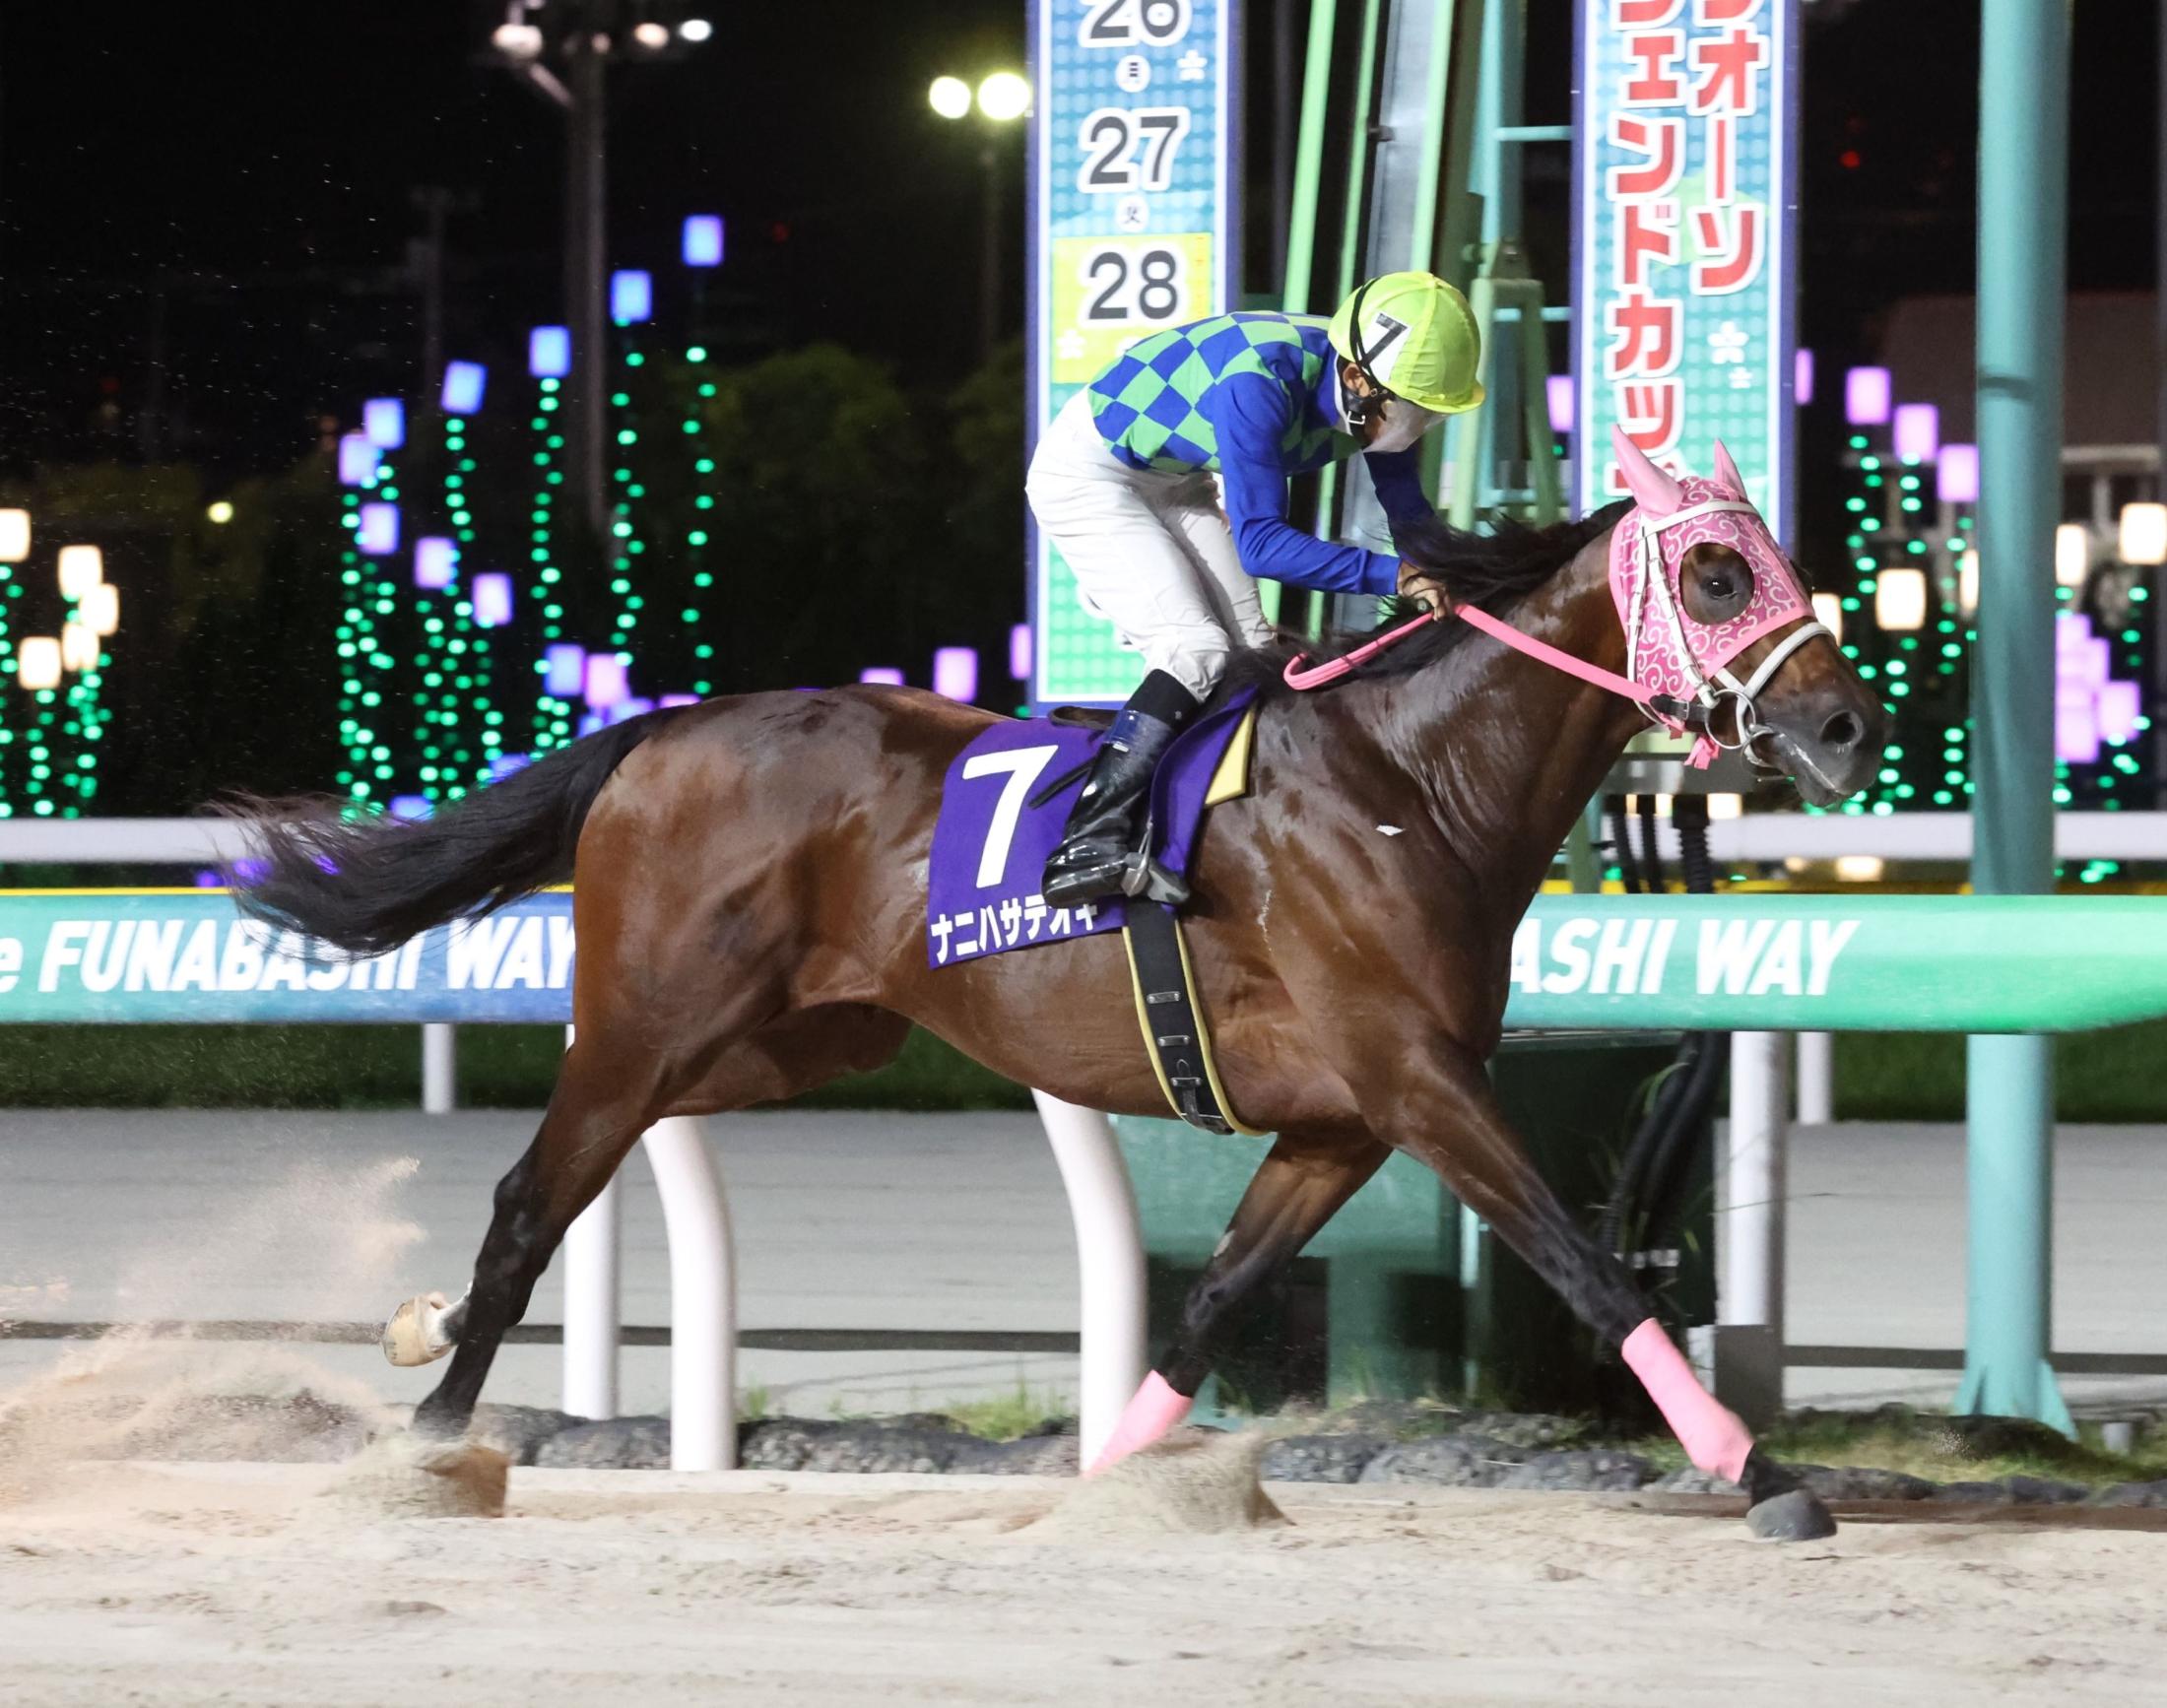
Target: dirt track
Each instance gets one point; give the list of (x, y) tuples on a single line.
[(231, 1585)]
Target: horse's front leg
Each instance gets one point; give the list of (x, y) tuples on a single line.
[(1300, 1185), (1433, 1100)]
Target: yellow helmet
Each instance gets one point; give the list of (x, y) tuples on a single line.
[(1418, 339)]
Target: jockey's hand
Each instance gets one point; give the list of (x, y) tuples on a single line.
[(1418, 585)]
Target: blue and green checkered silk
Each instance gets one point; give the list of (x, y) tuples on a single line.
[(1155, 406)]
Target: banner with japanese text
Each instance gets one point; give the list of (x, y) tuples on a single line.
[(1134, 229), (1685, 240)]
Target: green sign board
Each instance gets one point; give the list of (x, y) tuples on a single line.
[(1899, 964), (1132, 229)]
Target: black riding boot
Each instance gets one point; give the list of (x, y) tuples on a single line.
[(1102, 849)]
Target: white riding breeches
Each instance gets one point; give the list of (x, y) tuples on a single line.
[(1152, 551)]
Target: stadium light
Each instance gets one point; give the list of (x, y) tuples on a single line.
[(1003, 95), (950, 97)]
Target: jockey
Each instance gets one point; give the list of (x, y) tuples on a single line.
[(1122, 484)]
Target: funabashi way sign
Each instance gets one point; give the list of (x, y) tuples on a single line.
[(1684, 239), (1605, 964)]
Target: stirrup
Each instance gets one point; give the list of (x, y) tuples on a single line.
[(1143, 877)]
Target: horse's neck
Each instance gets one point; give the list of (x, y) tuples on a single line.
[(1509, 750)]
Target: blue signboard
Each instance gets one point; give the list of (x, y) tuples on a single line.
[(1134, 229), (1685, 168), (188, 956)]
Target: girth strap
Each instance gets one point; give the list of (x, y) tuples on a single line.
[(1173, 1021)]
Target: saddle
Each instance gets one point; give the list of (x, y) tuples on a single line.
[(1003, 806)]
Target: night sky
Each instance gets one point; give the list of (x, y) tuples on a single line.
[(258, 161)]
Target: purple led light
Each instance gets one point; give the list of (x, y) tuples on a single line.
[(357, 460), (703, 240), (209, 880), (2119, 708), (504, 765), (1918, 432), (955, 672), (378, 532), (884, 674), (607, 681), (1558, 393), (384, 421), (592, 721), (1801, 377), (434, 559), (565, 670), (1866, 396), (2076, 727), (492, 599), (1956, 474), (549, 352), (412, 808), (464, 385), (1019, 651), (631, 297), (670, 699), (629, 709)]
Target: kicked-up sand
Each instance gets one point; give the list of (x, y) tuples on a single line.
[(284, 1585)]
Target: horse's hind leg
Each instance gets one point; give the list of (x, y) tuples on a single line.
[(608, 1094), (1300, 1186), (1445, 1113)]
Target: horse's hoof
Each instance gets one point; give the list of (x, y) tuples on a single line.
[(1794, 1516), (417, 1332)]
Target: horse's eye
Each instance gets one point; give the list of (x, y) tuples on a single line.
[(1719, 586)]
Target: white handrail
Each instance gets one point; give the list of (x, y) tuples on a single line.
[(703, 1308), (1109, 1261)]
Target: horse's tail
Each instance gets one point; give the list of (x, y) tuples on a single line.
[(368, 884)]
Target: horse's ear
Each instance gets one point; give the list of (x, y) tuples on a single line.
[(1655, 491), (1726, 472)]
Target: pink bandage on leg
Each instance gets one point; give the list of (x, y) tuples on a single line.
[(1714, 1438), (1155, 1410)]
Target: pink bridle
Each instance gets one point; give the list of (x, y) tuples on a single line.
[(1497, 628), (1675, 682)]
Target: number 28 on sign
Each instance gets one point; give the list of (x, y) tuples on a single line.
[(1110, 292)]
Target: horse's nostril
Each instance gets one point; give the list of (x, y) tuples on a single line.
[(1841, 733)]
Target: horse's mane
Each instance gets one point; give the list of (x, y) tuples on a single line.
[(1492, 571)]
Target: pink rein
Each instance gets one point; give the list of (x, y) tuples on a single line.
[(1496, 628)]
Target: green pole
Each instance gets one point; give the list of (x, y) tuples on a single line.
[(1301, 236), (1350, 235), (2024, 173)]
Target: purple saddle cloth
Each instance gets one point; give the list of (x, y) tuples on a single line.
[(991, 843)]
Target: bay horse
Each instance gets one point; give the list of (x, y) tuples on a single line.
[(749, 893)]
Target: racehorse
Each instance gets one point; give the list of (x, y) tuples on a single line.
[(750, 886)]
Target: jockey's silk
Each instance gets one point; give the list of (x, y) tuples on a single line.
[(1157, 405), (1255, 399)]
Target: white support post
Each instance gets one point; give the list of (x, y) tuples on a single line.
[(1750, 1228), (591, 1294), (593, 1291), (1817, 1098), (1109, 1254), (440, 1068), (703, 1306)]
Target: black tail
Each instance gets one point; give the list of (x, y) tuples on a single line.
[(368, 884)]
